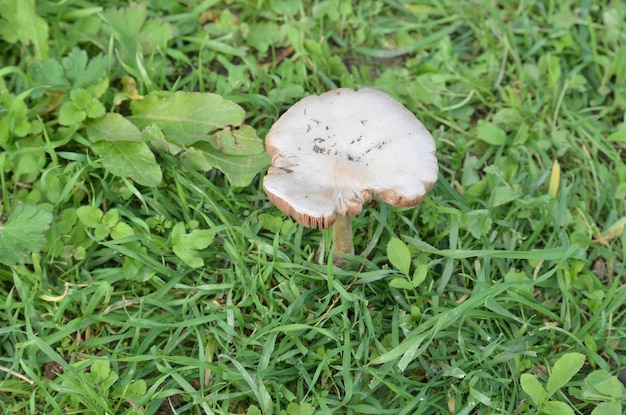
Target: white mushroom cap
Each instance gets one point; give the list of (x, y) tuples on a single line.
[(334, 152)]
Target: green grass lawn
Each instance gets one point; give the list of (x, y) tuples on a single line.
[(144, 271)]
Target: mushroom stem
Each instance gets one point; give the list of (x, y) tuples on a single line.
[(342, 239)]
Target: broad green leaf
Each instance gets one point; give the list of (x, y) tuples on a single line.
[(239, 170), (401, 283), (136, 387), (71, 114), (419, 275), (30, 28), (399, 255), (101, 232), (129, 159), (478, 222), (95, 109), (101, 368), (209, 123), (121, 230), (556, 408), (118, 142), (533, 389), (186, 244), (111, 218), (601, 385), (186, 117), (23, 233), (608, 408), (90, 216), (154, 135), (502, 195), (237, 142), (564, 369), (618, 136), (490, 133), (112, 127)]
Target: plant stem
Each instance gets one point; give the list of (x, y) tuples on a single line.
[(342, 239)]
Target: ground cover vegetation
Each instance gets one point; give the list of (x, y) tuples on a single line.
[(143, 270)]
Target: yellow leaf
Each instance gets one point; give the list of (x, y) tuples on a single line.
[(555, 179), (615, 230)]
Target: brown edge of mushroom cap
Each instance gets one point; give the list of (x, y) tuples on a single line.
[(323, 222), (387, 196)]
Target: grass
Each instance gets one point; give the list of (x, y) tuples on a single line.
[(163, 285)]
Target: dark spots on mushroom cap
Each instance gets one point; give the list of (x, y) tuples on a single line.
[(319, 140), (320, 150), (357, 139), (286, 170), (363, 122)]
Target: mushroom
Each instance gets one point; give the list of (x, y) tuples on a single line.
[(334, 152)]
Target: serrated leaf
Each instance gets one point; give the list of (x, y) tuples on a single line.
[(23, 233), (399, 255), (90, 216), (49, 73), (135, 34), (533, 389), (127, 20), (564, 369), (80, 70)]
